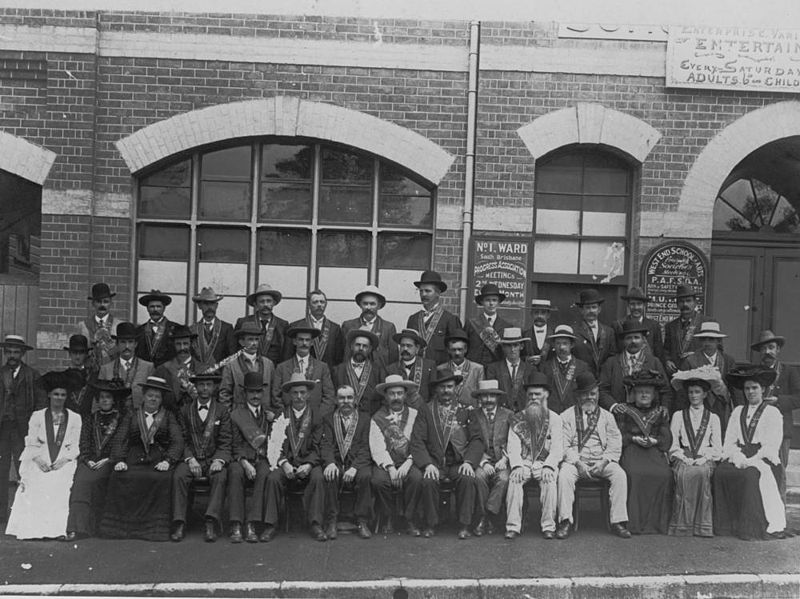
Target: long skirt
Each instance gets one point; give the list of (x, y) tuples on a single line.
[(88, 498), (692, 507), (649, 489), (138, 504), (738, 505), (41, 503)]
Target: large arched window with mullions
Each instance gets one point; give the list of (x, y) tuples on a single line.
[(294, 214)]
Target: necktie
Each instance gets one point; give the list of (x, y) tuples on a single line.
[(513, 372), (258, 413), (491, 417), (594, 331)]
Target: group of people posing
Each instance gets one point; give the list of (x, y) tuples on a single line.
[(683, 440)]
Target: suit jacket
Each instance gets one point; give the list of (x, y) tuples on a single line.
[(675, 346), (167, 443), (169, 371), (516, 398), (722, 406), (472, 373), (607, 429), (217, 347), (613, 390), (654, 337), (239, 444), (157, 352), (333, 350), (531, 348), (494, 436), (562, 394), (28, 394), (787, 389), (370, 400), (216, 446), (79, 395), (274, 348), (100, 340), (594, 353), (309, 449), (478, 350), (141, 370), (231, 389), (386, 352), (426, 448), (358, 456), (435, 350), (322, 397), (428, 369), (89, 446), (553, 445)]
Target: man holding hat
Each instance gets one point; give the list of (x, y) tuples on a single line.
[(127, 366), (637, 302), (100, 327), (679, 339), (231, 390), (322, 396), (539, 349), (21, 393), (213, 338), (412, 366), (371, 301), (329, 346), (710, 336), (359, 371), (263, 300), (594, 341), (484, 329), (208, 446), (179, 370), (433, 322), (390, 436), (154, 337), (562, 369), (511, 371), (446, 446), (492, 473), (535, 450), (78, 374), (471, 372)]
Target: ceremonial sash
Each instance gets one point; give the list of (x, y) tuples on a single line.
[(695, 438), (397, 444), (251, 429), (594, 342), (102, 434), (154, 339), (296, 367), (688, 335), (244, 363), (449, 430), (774, 387), (54, 444), (464, 375), (205, 347), (148, 435), (643, 421), (487, 430), (128, 380), (749, 430), (184, 374), (296, 437), (563, 381), (532, 432), (426, 332), (102, 343), (208, 429), (584, 435), (359, 384), (320, 344), (345, 440), (488, 335), (266, 340)]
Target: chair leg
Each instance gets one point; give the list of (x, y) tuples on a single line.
[(576, 512), (606, 507)]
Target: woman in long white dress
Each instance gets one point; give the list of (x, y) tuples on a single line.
[(48, 463)]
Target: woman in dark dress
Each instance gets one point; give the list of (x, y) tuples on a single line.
[(94, 464), (147, 447), (646, 439)]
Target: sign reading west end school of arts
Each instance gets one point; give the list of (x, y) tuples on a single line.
[(664, 268), (504, 262), (734, 58)]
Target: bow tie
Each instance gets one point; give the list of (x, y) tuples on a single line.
[(202, 407)]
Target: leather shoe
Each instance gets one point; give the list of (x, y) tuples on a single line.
[(363, 530), (211, 532), (548, 535), (318, 533), (776, 535), (179, 532), (330, 531), (619, 529), (268, 533), (387, 529), (464, 533), (428, 533), (72, 536), (236, 532), (511, 535), (250, 533), (413, 531), (480, 529), (563, 530)]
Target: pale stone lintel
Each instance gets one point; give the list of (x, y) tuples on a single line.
[(681, 224), (115, 205), (49, 38), (504, 218), (51, 340), (75, 202), (449, 217)]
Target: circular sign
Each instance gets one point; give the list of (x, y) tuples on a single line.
[(667, 266)]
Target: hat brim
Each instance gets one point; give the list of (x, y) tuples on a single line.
[(408, 385), (479, 393), (511, 341), (276, 295), (23, 346), (545, 308), (541, 385), (206, 377), (307, 384), (709, 335), (479, 298), (587, 389), (642, 330), (400, 336), (440, 284), (456, 377), (633, 383), (158, 386), (293, 332), (381, 298), (562, 335), (777, 339), (154, 297), (242, 332), (117, 392), (447, 340), (83, 349), (353, 333), (199, 298), (764, 377), (599, 300), (99, 297)]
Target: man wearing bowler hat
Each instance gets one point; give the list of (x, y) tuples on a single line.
[(471, 372), (322, 398), (127, 366), (231, 390), (484, 329), (370, 300), (433, 322), (562, 369), (78, 375), (101, 326), (637, 304), (720, 400), (539, 349), (594, 341), (512, 370), (412, 366), (21, 392), (360, 372), (329, 346), (263, 300), (679, 339), (154, 337), (214, 339)]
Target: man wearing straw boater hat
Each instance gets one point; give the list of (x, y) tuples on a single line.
[(679, 334), (322, 397), (594, 341), (100, 327), (214, 340), (263, 300), (359, 371), (247, 359), (472, 372), (512, 370), (637, 304), (21, 393), (412, 366), (370, 300), (153, 342), (329, 346), (485, 327), (539, 349), (433, 322), (562, 369), (127, 366)]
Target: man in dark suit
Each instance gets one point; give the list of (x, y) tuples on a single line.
[(208, 446), (346, 461), (360, 372), (472, 372), (100, 327), (433, 322), (127, 366), (153, 340), (484, 329), (538, 349), (594, 341), (247, 359), (562, 369), (329, 346), (637, 302), (78, 375), (21, 394), (264, 299), (321, 397), (214, 340), (179, 370), (412, 366), (511, 372), (371, 300), (679, 339)]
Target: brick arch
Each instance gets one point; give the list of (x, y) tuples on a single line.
[(24, 159), (589, 123), (285, 116)]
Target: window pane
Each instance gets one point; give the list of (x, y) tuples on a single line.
[(605, 224), (606, 181), (595, 203), (601, 258), (165, 202), (551, 201), (284, 246), (287, 162), (338, 165), (727, 219), (163, 243), (345, 205), (404, 251), (229, 164), (169, 277), (285, 202), (555, 256), (343, 248), (558, 179), (558, 222), (292, 281), (403, 201), (223, 245), (224, 201), (177, 175), (20, 226)]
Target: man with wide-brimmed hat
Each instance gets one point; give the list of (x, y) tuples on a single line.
[(231, 390), (446, 446), (539, 349), (512, 370), (471, 372), (78, 374), (485, 327), (154, 336), (100, 327), (679, 334), (595, 341), (637, 305), (412, 366), (562, 369), (179, 370), (322, 397), (360, 372), (370, 300), (636, 357), (21, 393), (390, 446), (329, 346), (492, 472), (263, 300), (127, 366), (214, 340), (433, 322), (535, 449)]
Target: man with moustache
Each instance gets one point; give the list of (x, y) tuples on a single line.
[(329, 346), (471, 372), (412, 366), (231, 390), (360, 372), (153, 341), (594, 341), (433, 323), (679, 340), (100, 327), (539, 349), (21, 393), (720, 400), (637, 302), (484, 329), (214, 339), (78, 375), (264, 299), (179, 370), (562, 369), (371, 300), (322, 397), (512, 370), (127, 366)]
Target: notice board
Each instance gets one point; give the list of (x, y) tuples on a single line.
[(504, 261), (667, 266)]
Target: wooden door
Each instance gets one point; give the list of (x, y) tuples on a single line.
[(19, 313)]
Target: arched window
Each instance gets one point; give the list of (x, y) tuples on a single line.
[(292, 213), (751, 206)]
